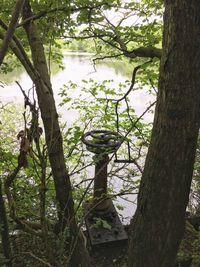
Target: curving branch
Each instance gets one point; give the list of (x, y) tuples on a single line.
[(119, 44), (145, 52), (149, 52)]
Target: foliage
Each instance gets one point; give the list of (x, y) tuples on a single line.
[(99, 223), (95, 23), (108, 29), (96, 106), (190, 245), (27, 187)]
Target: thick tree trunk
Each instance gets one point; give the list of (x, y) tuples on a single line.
[(79, 254), (4, 230), (158, 224)]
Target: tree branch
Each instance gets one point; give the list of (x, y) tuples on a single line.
[(65, 8), (22, 57), (11, 29), (150, 52)]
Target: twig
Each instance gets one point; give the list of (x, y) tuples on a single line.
[(106, 57)]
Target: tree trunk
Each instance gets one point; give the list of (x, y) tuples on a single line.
[(79, 255), (4, 230), (158, 224)]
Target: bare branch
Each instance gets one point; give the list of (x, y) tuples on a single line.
[(150, 52), (107, 57)]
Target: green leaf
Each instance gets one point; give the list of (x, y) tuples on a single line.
[(106, 225)]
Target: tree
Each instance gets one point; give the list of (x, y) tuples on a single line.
[(159, 221), (158, 224), (3, 216), (38, 71)]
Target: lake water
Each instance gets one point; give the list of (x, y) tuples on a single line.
[(77, 68)]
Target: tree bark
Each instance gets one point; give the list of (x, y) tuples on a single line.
[(79, 255), (158, 224)]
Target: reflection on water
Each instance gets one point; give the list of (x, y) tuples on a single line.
[(119, 68), (76, 68)]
